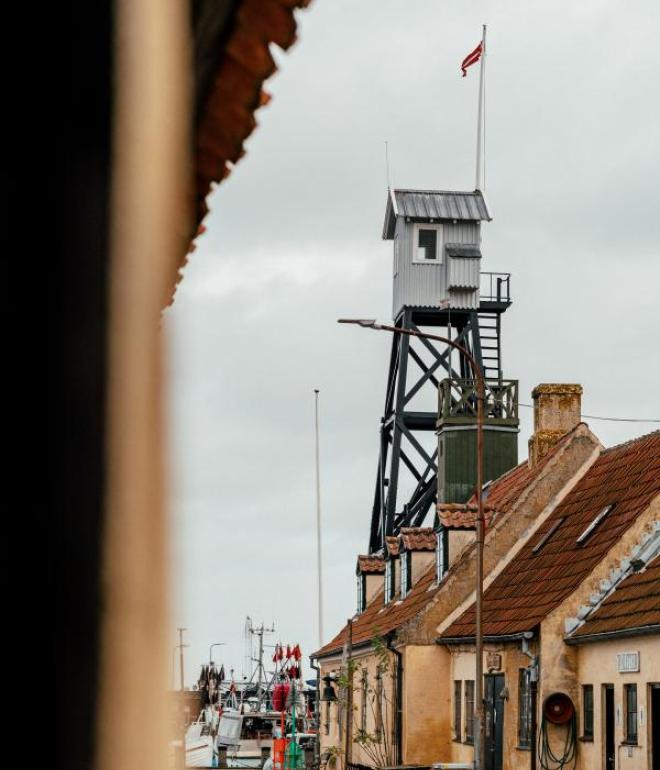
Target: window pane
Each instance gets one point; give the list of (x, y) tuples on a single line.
[(469, 711), (426, 243), (457, 710), (588, 711), (631, 712)]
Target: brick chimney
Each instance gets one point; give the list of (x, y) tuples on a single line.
[(557, 410)]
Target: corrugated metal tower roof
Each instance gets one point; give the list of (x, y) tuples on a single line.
[(434, 204)]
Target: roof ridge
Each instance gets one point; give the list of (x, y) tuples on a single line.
[(630, 441), (437, 192)]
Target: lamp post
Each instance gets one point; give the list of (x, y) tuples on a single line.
[(479, 639), (215, 644)]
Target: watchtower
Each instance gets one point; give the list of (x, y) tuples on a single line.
[(438, 284)]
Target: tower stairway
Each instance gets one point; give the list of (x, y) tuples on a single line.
[(491, 349)]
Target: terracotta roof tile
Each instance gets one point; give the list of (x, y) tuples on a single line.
[(235, 92), (392, 545), (370, 565), (417, 538), (379, 619), (628, 476), (634, 603), (460, 519)]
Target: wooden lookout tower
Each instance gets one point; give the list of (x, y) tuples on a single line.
[(438, 283)]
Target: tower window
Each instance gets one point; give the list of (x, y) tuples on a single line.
[(426, 243)]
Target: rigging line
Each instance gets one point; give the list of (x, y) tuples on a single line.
[(608, 419)]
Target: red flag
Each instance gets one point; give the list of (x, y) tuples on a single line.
[(472, 58), (288, 652), (297, 654)]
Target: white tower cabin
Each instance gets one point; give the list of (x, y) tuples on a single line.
[(437, 254), (431, 391)]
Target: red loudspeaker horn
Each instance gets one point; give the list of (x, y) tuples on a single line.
[(558, 708)]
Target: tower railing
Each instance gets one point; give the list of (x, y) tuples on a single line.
[(457, 400), (495, 287)]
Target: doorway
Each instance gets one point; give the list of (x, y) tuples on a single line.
[(494, 721), (608, 726)]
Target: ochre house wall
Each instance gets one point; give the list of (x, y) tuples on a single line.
[(597, 665), (426, 701), (362, 659), (463, 668)]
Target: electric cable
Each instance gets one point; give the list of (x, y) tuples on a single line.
[(608, 419)]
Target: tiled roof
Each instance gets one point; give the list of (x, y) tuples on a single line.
[(634, 604), (417, 538), (534, 584), (378, 619), (370, 565), (392, 545)]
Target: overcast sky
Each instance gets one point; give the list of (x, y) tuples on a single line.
[(293, 243)]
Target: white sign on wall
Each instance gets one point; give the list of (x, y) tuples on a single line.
[(627, 662)]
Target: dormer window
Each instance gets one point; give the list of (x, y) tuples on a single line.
[(389, 581), (361, 593), (427, 243), (405, 574)]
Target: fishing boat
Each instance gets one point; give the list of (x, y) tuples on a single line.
[(244, 723)]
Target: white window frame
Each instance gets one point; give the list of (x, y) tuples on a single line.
[(389, 566), (360, 593), (438, 244), (405, 565), (440, 556)]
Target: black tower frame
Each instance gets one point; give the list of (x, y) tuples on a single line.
[(478, 331)]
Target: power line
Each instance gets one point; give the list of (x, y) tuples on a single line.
[(607, 419)]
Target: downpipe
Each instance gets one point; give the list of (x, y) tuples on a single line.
[(398, 721), (533, 689)]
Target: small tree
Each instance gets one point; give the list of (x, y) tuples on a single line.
[(378, 744)]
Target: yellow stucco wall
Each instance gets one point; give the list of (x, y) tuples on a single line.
[(426, 702), (597, 665), (463, 668)]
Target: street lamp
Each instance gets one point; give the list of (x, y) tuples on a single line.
[(368, 323), (215, 644)]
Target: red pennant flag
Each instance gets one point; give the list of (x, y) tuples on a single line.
[(288, 652), (297, 654), (472, 58)]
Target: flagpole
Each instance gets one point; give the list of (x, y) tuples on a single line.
[(482, 66), (319, 553)]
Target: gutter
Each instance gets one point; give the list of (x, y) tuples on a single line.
[(606, 635), (338, 650), (398, 723), (493, 638)]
